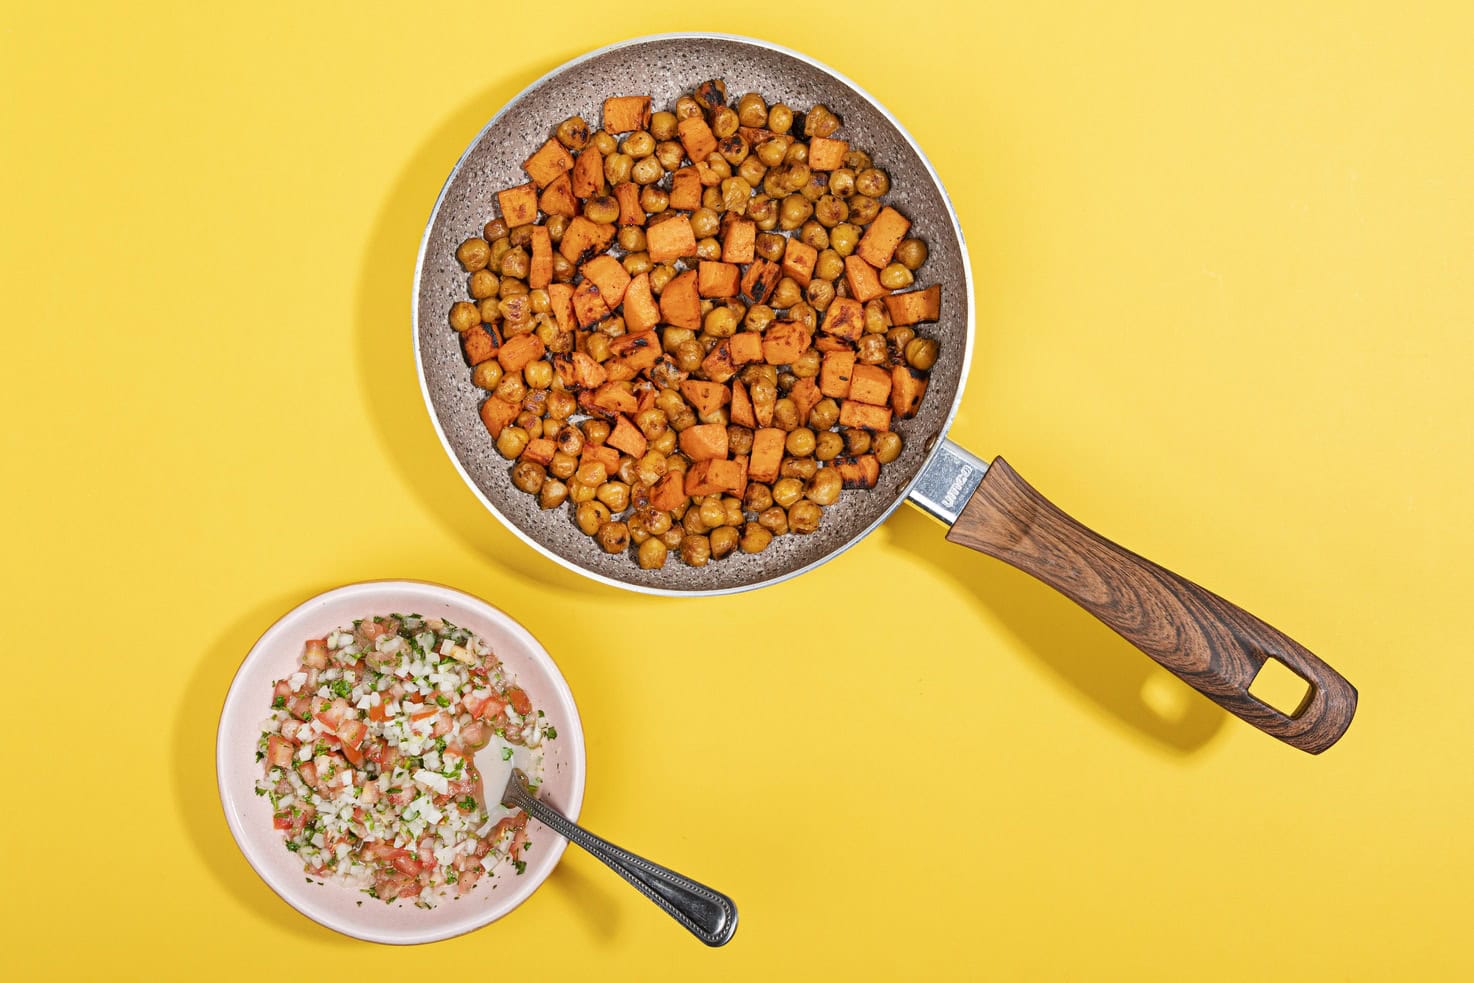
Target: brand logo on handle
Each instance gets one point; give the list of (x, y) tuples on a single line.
[(959, 482)]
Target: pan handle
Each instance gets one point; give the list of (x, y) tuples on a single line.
[(1214, 646)]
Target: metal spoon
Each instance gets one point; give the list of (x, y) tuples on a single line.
[(709, 915)]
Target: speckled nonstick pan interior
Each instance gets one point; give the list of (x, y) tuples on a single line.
[(667, 67), (1210, 644)]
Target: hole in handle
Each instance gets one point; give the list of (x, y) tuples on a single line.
[(1281, 688)]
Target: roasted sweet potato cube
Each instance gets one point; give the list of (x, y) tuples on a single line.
[(518, 350), (670, 239), (747, 346), (669, 493), (845, 318), (625, 114), (627, 193), (616, 397), (805, 393), (685, 190), (640, 350), (785, 341), (641, 313), (588, 173), (718, 364), (557, 198), (826, 154), (620, 371), (766, 455), (583, 239), (711, 476), (497, 413), (916, 306), (717, 279), (741, 412), (704, 397), (540, 270), (560, 297), (600, 454), (870, 384), (539, 451), (697, 138), (739, 241), (856, 414), (879, 242), (679, 303), (588, 304), (587, 372), (479, 344), (609, 276), (834, 374), (549, 163), (518, 205), (759, 280), (863, 279), (858, 472), (704, 441), (908, 385), (627, 437), (827, 343), (798, 261)]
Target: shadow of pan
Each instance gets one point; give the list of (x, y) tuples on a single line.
[(1099, 665), (390, 389), (195, 793)]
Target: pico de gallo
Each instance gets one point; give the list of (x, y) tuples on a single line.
[(369, 759)]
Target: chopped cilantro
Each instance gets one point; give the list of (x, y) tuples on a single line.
[(341, 687), (260, 755), (442, 699), (468, 803), (293, 846), (260, 790), (521, 867), (280, 703), (506, 754), (451, 877), (551, 732)]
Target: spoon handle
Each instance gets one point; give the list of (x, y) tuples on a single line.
[(709, 915)]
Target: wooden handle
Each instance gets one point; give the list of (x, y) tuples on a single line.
[(1214, 646)]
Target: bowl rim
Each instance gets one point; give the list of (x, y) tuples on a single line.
[(573, 726)]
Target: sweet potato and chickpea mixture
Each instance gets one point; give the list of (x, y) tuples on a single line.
[(696, 326)]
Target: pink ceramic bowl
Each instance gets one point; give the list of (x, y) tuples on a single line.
[(249, 816)]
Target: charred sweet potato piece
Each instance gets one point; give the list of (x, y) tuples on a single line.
[(766, 454), (480, 346), (704, 441), (609, 276), (584, 239), (638, 350), (908, 385), (517, 351), (627, 193), (549, 163), (685, 190), (540, 269), (741, 412), (785, 341), (588, 304), (669, 493), (845, 318), (863, 280), (710, 476), (588, 373), (560, 298), (915, 306), (870, 384), (697, 138), (863, 415), (679, 302), (627, 437), (879, 242), (617, 397), (834, 374), (539, 451), (497, 413), (625, 114), (858, 472), (719, 366), (601, 454), (826, 154), (747, 346), (557, 198), (518, 205), (641, 313), (704, 397), (759, 280), (798, 261), (738, 242), (588, 173), (717, 279), (669, 240), (621, 371), (805, 393)]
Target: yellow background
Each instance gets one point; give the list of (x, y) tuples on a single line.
[(1225, 269)]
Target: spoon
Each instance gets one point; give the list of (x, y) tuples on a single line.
[(709, 915)]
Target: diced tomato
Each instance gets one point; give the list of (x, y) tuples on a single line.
[(465, 881), (407, 865), (372, 628), (282, 688), (301, 708), (443, 725), (351, 732), (336, 713), (519, 700), (370, 794), (308, 771), (316, 653), (354, 755), (378, 712), (422, 714), (476, 735), (291, 730), (382, 851), (278, 751), (282, 820)]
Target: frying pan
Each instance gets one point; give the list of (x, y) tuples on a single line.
[(1212, 645)]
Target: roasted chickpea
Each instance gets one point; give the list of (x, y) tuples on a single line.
[(785, 294), (511, 442), (829, 266), (688, 355), (770, 246), (603, 142), (603, 210), (563, 465), (899, 337), (613, 537), (856, 160), (562, 269), (770, 153), (683, 420), (785, 414), (494, 230), (824, 487), (596, 431), (820, 122), (724, 122), (539, 374), (752, 110), (520, 236), (723, 541), (512, 388), (804, 314), (804, 517), (705, 222), (713, 513), (752, 170), (483, 284), (636, 263), (712, 198), (516, 263), (615, 494), (739, 439), (647, 171), (763, 211), (863, 210), (786, 491), (921, 353), (820, 294), (708, 249), (775, 520), (857, 441), (755, 538), (780, 118), (793, 212), (870, 349), (872, 182), (895, 277), (654, 200), (877, 318), (695, 550), (490, 310), (531, 422), (758, 317), (827, 445), (802, 468), (652, 554), (639, 144), (687, 107), (573, 133), (464, 316), (720, 322), (474, 254), (590, 516), (887, 445), (843, 238), (487, 375), (665, 443), (529, 476), (830, 211), (592, 474), (841, 183), (757, 497), (663, 125), (911, 253), (552, 494), (811, 233), (800, 442)]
